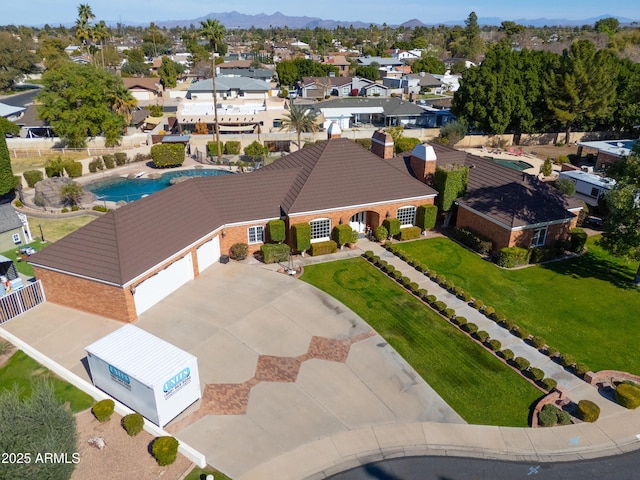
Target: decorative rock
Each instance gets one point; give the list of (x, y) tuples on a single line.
[(97, 442), (47, 192)]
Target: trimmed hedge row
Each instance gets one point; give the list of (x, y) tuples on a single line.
[(628, 395), (323, 248), (473, 240)]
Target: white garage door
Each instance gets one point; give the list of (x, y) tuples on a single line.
[(208, 253), (156, 288)]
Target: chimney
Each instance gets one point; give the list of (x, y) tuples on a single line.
[(423, 162), (334, 131), (382, 144)]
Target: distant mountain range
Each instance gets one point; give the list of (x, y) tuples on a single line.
[(241, 20)]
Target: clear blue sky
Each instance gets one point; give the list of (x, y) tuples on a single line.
[(55, 12)]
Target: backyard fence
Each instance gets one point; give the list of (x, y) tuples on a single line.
[(20, 301)]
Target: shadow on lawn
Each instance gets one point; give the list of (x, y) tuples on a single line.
[(590, 265)]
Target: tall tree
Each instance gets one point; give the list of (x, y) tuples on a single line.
[(78, 101), (7, 180), (583, 86), (15, 60), (101, 33), (473, 43), (213, 31), (300, 119), (621, 235), (84, 31)]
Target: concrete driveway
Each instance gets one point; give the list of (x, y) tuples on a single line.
[(281, 364)]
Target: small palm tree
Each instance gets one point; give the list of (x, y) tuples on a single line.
[(123, 103), (71, 193), (213, 31), (301, 119)]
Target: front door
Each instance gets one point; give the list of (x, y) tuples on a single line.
[(359, 222)]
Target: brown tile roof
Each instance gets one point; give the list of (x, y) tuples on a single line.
[(339, 173), (510, 197), (235, 64), (331, 81), (124, 244), (147, 83), (336, 60)]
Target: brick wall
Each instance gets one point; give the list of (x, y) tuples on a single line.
[(87, 296), (239, 234), (382, 145), (604, 159)]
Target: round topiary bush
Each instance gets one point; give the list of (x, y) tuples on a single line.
[(478, 304), (470, 328), (628, 395), (581, 368), (440, 279), (449, 313), (482, 335), (440, 306), (498, 317), (381, 233), (587, 411), (460, 321), (414, 287), (563, 417), (552, 352), (495, 344), (547, 417), (103, 409), (133, 424), (466, 296), (567, 360), (431, 299), (405, 280), (507, 354), (536, 374), (165, 450), (423, 293), (239, 251), (508, 324), (521, 332), (522, 363), (369, 254), (397, 274), (488, 311), (538, 342), (549, 384)]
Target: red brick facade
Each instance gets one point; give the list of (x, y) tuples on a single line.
[(504, 237), (240, 234)]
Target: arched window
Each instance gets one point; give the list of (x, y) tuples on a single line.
[(407, 216), (320, 229)]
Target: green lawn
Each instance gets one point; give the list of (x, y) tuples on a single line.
[(201, 474), (583, 306), (23, 267), (20, 369), (471, 380)]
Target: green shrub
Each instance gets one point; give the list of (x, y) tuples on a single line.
[(73, 169), (212, 148), (409, 233), (364, 143), (440, 306), (390, 269), (508, 324), (392, 225), (587, 411), (423, 293), (628, 395), (239, 251), (414, 287), (470, 328), (380, 263), (406, 144), (460, 321), (165, 450), (323, 248), (65, 210), (96, 164), (521, 332), (495, 344), (578, 239), (513, 257), (421, 268), (449, 286), (274, 252), (133, 424), (507, 354), (396, 274), (369, 254), (405, 280), (449, 312), (547, 417), (100, 208), (581, 368), (433, 275), (536, 374), (301, 233), (18, 203), (567, 360), (109, 161), (121, 158), (165, 155), (342, 234), (276, 231), (472, 240), (32, 177), (478, 304), (538, 342), (381, 233), (549, 384), (551, 352), (426, 216), (103, 409), (440, 279), (482, 335), (75, 208), (231, 148), (542, 254), (488, 311), (522, 363), (466, 296), (431, 299), (563, 417), (55, 167)]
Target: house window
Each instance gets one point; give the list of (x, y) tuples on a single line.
[(407, 216), (595, 192), (16, 238), (539, 237), (256, 234), (320, 229)]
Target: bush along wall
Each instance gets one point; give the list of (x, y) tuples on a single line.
[(513, 256), (276, 232), (392, 225), (323, 248), (342, 234), (167, 155), (426, 216), (471, 239), (578, 239), (301, 233), (409, 233)]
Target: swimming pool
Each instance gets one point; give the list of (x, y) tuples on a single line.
[(514, 164), (115, 189)]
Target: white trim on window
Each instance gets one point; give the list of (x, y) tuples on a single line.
[(255, 234), (539, 237), (406, 215), (320, 229), (16, 238)]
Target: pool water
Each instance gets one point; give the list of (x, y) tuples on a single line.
[(115, 189), (514, 164)]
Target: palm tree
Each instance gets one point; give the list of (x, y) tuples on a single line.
[(123, 103), (301, 119), (100, 33), (213, 32), (83, 29)]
